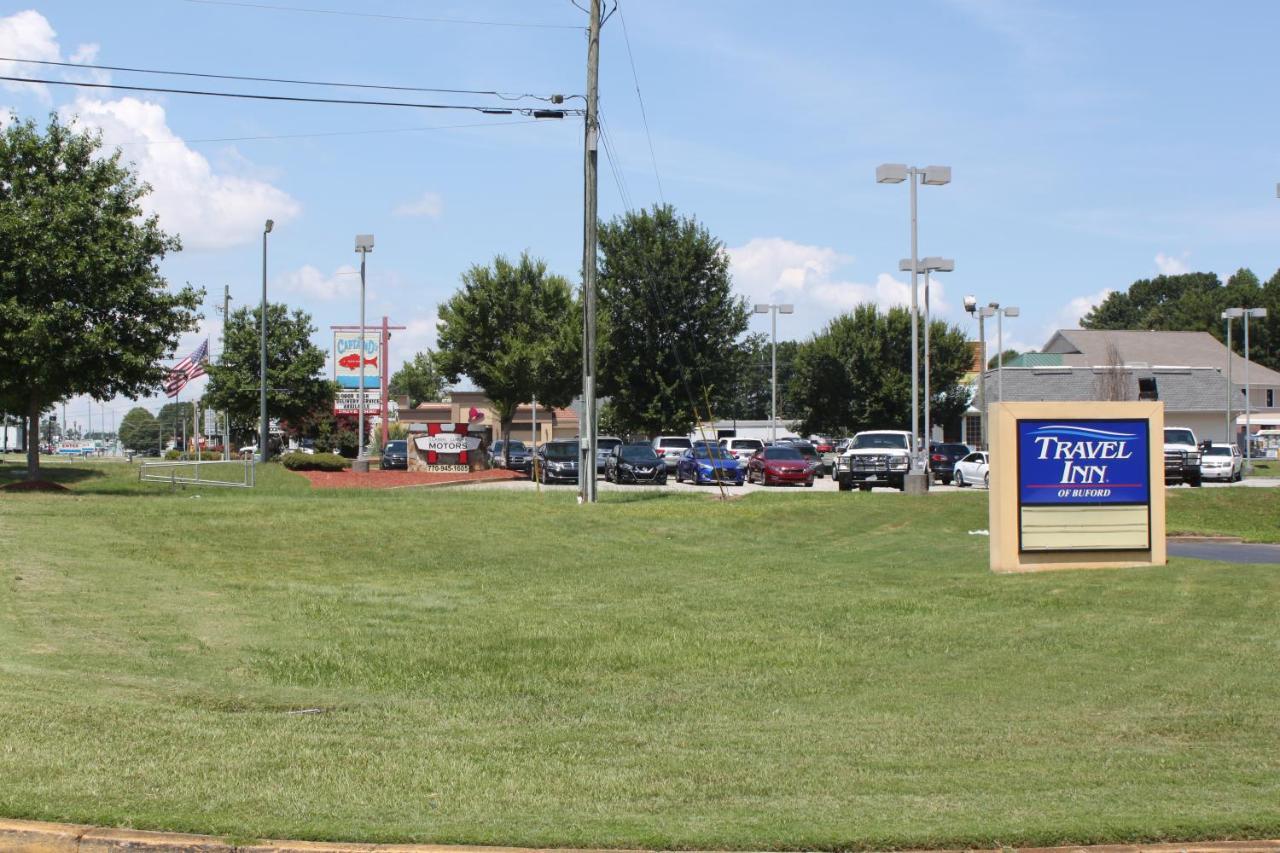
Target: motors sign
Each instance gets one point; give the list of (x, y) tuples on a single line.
[(1079, 462)]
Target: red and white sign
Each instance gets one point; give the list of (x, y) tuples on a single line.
[(446, 444), (347, 402)]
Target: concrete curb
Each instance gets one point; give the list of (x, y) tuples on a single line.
[(27, 836)]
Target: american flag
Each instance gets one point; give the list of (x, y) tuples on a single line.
[(186, 370)]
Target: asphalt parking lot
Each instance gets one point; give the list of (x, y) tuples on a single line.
[(826, 484)]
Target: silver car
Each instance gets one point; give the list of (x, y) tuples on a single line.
[(742, 449), (671, 448)]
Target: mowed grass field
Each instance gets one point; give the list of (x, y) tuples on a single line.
[(790, 670)]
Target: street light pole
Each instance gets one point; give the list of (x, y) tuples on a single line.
[(896, 173), (1229, 315), (263, 431), (774, 310), (364, 245), (1001, 313), (971, 305), (587, 427), (929, 265), (1248, 412)]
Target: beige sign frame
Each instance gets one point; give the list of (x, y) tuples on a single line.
[(1003, 510)]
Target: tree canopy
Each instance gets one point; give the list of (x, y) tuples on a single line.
[(296, 387), (1194, 303), (139, 431), (420, 379), (671, 323), (856, 373), (83, 307), (513, 329)]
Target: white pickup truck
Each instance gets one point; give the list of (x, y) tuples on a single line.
[(1181, 457), (874, 458)]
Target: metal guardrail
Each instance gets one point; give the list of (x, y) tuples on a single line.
[(179, 473)]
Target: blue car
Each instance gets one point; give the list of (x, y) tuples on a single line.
[(709, 463)]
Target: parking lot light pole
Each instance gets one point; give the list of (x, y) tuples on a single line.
[(773, 406), (262, 392), (929, 265), (896, 173), (1229, 315), (1248, 410), (971, 305), (364, 245), (1001, 313)]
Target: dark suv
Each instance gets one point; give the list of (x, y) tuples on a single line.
[(395, 455), (943, 458)]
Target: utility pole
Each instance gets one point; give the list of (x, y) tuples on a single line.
[(587, 430), (226, 416)]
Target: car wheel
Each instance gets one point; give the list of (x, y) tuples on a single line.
[(864, 488), (1194, 482), (679, 475), (986, 478), (946, 481), (764, 478), (808, 484), (844, 485), (960, 483)]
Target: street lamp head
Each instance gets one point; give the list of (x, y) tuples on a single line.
[(891, 173), (987, 311), (762, 309), (1257, 312), (1012, 311), (791, 309), (937, 175), (271, 223), (905, 265), (364, 242), (1232, 313), (935, 264), (971, 303)]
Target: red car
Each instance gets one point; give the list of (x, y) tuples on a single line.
[(778, 464)]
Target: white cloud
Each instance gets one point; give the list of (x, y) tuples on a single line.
[(771, 269), (1069, 315), (430, 205), (29, 34), (342, 283), (1170, 265), (209, 210)]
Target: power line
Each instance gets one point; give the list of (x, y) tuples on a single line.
[(529, 111), (615, 165), (269, 137), (510, 96), (643, 115), (339, 12)]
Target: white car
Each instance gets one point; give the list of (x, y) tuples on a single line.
[(742, 449), (973, 469), (1222, 462)]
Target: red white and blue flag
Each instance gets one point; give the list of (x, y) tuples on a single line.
[(189, 368)]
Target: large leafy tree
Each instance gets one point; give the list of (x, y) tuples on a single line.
[(296, 387), (856, 373), (513, 329), (1194, 302), (83, 307), (139, 430), (671, 322), (420, 379)]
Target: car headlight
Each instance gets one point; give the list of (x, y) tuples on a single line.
[(1193, 458), (900, 462)]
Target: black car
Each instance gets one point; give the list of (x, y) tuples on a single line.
[(943, 458), (558, 462), (635, 463), (395, 455)]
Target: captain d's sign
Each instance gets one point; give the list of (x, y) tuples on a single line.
[(1071, 485)]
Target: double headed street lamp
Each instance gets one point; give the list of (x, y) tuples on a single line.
[(1001, 313), (364, 245), (263, 431), (971, 305), (928, 265), (775, 310), (896, 173), (1229, 315)]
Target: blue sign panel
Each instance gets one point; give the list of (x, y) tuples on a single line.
[(1083, 462)]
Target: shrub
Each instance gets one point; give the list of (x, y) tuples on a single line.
[(314, 462), (205, 456)]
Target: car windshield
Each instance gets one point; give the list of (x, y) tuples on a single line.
[(682, 443), (1179, 436), (782, 453), (952, 449), (607, 444), (711, 452), (514, 446), (566, 452), (1217, 451), (746, 444), (634, 453), (396, 446), (806, 449), (879, 441)]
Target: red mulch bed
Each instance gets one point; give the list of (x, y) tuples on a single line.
[(34, 486), (400, 479)]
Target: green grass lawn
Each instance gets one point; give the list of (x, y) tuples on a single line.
[(781, 671)]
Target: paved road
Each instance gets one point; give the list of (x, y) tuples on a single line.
[(1226, 552)]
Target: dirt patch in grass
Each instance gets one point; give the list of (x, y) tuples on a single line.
[(400, 479), (34, 486)]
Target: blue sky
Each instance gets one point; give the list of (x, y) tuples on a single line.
[(1091, 144)]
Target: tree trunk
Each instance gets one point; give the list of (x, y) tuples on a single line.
[(33, 440)]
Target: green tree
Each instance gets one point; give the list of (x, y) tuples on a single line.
[(671, 321), (750, 392), (173, 417), (296, 387), (1009, 355), (420, 379), (856, 373), (139, 431), (513, 329), (83, 307)]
